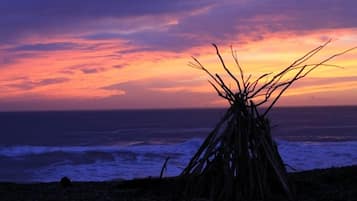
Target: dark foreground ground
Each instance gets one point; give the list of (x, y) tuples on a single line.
[(334, 184)]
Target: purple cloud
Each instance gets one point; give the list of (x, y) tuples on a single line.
[(232, 20), (90, 70), (28, 85), (67, 16), (46, 47), (56, 46), (148, 84), (198, 22), (252, 19), (8, 58), (118, 66)]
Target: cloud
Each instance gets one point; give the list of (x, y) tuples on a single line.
[(37, 17), (155, 84), (45, 47), (102, 36), (253, 20), (86, 68), (118, 66), (240, 22), (90, 70), (89, 8), (147, 94), (138, 94), (8, 58), (26, 84), (56, 46), (168, 25)]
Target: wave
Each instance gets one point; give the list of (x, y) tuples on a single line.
[(146, 130), (134, 146), (315, 155), (99, 163)]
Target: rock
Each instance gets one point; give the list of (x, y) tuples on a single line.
[(65, 182)]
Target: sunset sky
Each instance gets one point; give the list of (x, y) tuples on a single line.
[(131, 54)]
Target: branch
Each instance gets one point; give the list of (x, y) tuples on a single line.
[(282, 91), (235, 57), (225, 67), (297, 62)]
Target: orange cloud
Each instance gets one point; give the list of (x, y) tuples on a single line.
[(84, 71)]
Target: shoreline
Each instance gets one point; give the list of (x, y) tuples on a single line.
[(290, 171), (336, 183)]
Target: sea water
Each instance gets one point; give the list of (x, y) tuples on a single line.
[(126, 144)]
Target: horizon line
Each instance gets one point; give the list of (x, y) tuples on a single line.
[(178, 108)]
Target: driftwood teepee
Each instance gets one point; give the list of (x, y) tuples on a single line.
[(239, 160)]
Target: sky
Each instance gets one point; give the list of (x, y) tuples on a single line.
[(134, 54)]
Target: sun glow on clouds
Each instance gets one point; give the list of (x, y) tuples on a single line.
[(139, 60)]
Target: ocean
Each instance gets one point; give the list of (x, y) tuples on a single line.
[(126, 144)]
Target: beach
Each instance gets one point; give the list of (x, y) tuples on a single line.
[(333, 184)]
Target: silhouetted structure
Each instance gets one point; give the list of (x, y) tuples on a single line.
[(239, 160)]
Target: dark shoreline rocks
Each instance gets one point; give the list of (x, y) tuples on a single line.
[(332, 184)]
